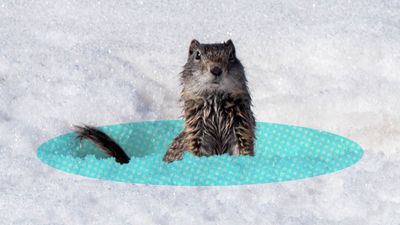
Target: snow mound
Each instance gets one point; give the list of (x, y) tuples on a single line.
[(283, 153)]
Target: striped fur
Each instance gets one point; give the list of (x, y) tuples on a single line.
[(216, 105), (217, 109)]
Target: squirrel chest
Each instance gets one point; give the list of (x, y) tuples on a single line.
[(215, 119)]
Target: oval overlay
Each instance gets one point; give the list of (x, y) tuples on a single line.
[(282, 153)]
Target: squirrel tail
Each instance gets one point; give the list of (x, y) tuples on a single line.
[(103, 141)]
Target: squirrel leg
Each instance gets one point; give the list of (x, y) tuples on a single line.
[(176, 149), (245, 132), (194, 137)]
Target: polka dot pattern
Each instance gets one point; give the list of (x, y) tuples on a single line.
[(283, 153)]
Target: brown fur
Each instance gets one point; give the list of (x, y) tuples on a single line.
[(216, 105), (217, 109)]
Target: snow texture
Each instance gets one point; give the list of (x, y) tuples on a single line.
[(283, 153), (330, 65)]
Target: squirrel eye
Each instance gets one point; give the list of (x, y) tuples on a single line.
[(197, 57)]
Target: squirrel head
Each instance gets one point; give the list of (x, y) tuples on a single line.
[(217, 52), (213, 67)]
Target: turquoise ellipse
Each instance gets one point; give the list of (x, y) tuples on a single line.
[(282, 153)]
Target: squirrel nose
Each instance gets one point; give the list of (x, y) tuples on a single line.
[(216, 71)]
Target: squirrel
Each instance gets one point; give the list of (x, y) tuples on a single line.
[(216, 108)]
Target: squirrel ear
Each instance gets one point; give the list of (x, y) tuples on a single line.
[(194, 44), (229, 43)]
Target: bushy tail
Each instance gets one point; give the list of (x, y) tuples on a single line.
[(103, 141)]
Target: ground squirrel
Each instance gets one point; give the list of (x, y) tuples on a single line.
[(216, 107)]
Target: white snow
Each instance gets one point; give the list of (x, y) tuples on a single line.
[(330, 65)]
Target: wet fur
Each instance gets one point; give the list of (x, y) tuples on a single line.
[(216, 109), (103, 141)]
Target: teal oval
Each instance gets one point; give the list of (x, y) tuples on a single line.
[(282, 153)]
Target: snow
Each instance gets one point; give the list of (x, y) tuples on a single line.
[(321, 64)]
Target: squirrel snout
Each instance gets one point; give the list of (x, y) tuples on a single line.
[(216, 71)]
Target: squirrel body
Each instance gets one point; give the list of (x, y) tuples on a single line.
[(216, 108)]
